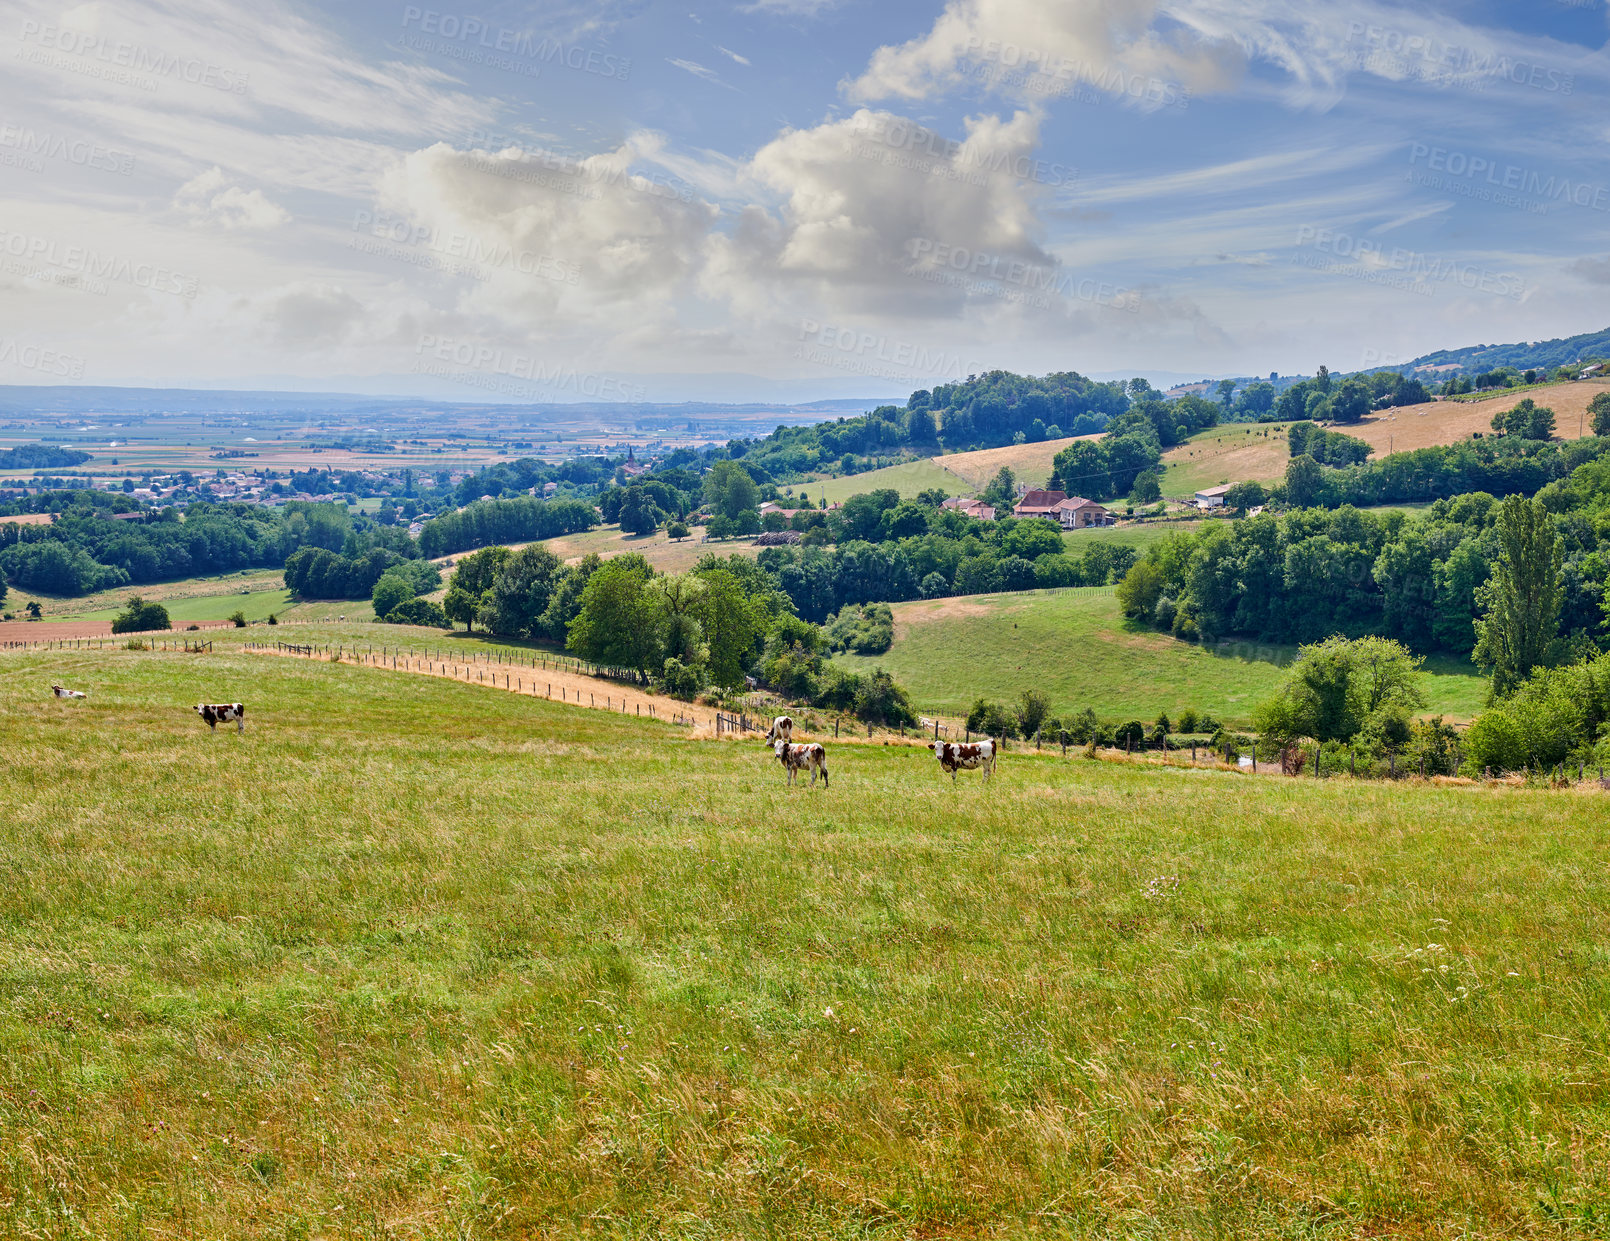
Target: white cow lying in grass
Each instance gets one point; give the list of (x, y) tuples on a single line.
[(798, 758), (67, 693)]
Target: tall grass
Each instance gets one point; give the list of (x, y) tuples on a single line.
[(412, 959)]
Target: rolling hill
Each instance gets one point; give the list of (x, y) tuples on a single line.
[(1239, 451)]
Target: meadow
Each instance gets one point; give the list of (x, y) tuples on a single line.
[(437, 961), (1076, 647)]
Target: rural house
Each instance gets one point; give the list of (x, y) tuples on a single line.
[(1077, 513), (1212, 497), (972, 506), (1039, 503)]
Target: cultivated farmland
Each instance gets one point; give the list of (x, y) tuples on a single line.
[(450, 962)]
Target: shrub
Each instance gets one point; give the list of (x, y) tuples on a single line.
[(681, 680), (238, 620), (192, 628), (1132, 734), (1188, 722), (272, 619), (134, 644), (991, 719), (415, 612), (140, 616)]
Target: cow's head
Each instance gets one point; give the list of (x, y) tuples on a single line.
[(201, 708)]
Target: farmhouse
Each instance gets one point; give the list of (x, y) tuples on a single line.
[(1212, 497), (972, 506), (1039, 503), (1077, 513)]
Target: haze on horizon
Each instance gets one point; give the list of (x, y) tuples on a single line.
[(788, 199)]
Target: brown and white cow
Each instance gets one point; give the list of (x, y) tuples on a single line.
[(956, 756), (216, 713), (798, 758), (782, 729), (67, 693)]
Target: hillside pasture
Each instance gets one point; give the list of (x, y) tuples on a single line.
[(1076, 647), (1238, 452), (665, 554), (1029, 463), (457, 963), (908, 478)]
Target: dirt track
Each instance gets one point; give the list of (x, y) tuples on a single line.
[(66, 631)]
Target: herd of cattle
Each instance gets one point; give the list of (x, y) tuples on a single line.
[(796, 759), (953, 756)]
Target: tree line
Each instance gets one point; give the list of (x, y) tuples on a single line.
[(709, 629)]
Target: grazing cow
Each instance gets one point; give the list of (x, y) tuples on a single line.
[(216, 713), (782, 729), (969, 756), (798, 758), (67, 693)]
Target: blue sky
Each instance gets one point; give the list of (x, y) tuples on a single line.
[(789, 199)]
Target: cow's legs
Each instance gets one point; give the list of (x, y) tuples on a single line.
[(240, 724)]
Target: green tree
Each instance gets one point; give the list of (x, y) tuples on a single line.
[(639, 514), (1521, 600), (389, 591), (415, 612), (676, 531), (732, 625), (729, 490), (1002, 490), (472, 578), (1338, 686), (565, 603), (138, 616), (1032, 709), (1599, 410), (461, 606), (513, 605), (1305, 481), (620, 624)]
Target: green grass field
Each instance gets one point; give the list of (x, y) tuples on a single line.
[(451, 962), (1075, 646)]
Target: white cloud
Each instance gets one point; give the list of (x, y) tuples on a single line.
[(210, 199), (696, 69), (1038, 49), (727, 51)]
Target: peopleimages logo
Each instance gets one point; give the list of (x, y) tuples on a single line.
[(458, 253), (1396, 267), (484, 366), (83, 263), (130, 58), (877, 356), (1508, 179), (38, 358), (37, 144), (491, 43)]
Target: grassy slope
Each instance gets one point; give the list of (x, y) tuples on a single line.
[(453, 962), (1076, 647), (1228, 454), (961, 473), (908, 479)]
